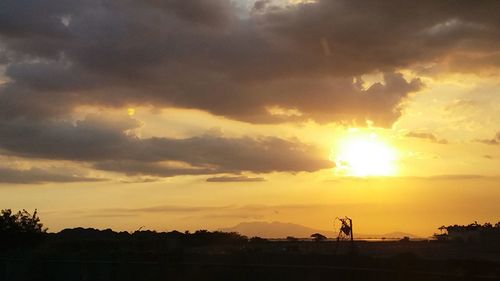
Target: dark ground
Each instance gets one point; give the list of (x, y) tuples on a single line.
[(100, 255)]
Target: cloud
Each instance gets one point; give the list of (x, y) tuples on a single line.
[(288, 63), (494, 141), (461, 105), (201, 54), (260, 5), (113, 146), (220, 211), (212, 13), (174, 209), (39, 176), (427, 136), (140, 168), (246, 210), (235, 179), (457, 177)]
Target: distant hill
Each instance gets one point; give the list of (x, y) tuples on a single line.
[(276, 230), (282, 230)]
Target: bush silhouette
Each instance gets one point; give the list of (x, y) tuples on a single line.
[(318, 237), (20, 229)]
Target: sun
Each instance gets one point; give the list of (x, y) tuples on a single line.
[(365, 155)]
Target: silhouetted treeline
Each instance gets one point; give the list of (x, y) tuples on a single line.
[(198, 238), (473, 232), (91, 254)]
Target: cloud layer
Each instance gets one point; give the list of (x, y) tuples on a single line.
[(204, 54), (199, 54), (273, 64), (38, 176), (112, 146)]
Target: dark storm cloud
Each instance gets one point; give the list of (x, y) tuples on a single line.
[(112, 146), (427, 136), (38, 176), (202, 54)]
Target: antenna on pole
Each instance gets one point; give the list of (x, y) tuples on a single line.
[(346, 231)]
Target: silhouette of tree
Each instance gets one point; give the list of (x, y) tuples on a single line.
[(205, 237), (20, 229), (470, 232), (318, 237), (257, 239), (405, 239), (21, 222)]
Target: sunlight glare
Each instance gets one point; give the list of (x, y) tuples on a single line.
[(365, 156)]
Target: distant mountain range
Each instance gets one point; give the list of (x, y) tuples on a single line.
[(282, 230)]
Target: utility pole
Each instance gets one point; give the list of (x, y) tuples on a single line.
[(350, 226)]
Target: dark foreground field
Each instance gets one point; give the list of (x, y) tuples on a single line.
[(93, 255)]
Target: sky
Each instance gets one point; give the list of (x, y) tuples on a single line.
[(200, 114)]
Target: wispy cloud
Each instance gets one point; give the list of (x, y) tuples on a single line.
[(235, 179), (426, 136), (40, 176), (494, 141)]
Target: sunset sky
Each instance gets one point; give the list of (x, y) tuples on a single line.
[(201, 114)]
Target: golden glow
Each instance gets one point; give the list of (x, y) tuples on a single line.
[(365, 155), (131, 111)]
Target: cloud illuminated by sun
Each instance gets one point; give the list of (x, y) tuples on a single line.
[(131, 111), (365, 155)]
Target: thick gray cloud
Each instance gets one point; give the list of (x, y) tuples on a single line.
[(277, 64), (90, 139), (112, 146), (200, 54), (38, 176)]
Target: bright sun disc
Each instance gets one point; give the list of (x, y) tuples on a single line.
[(366, 156)]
